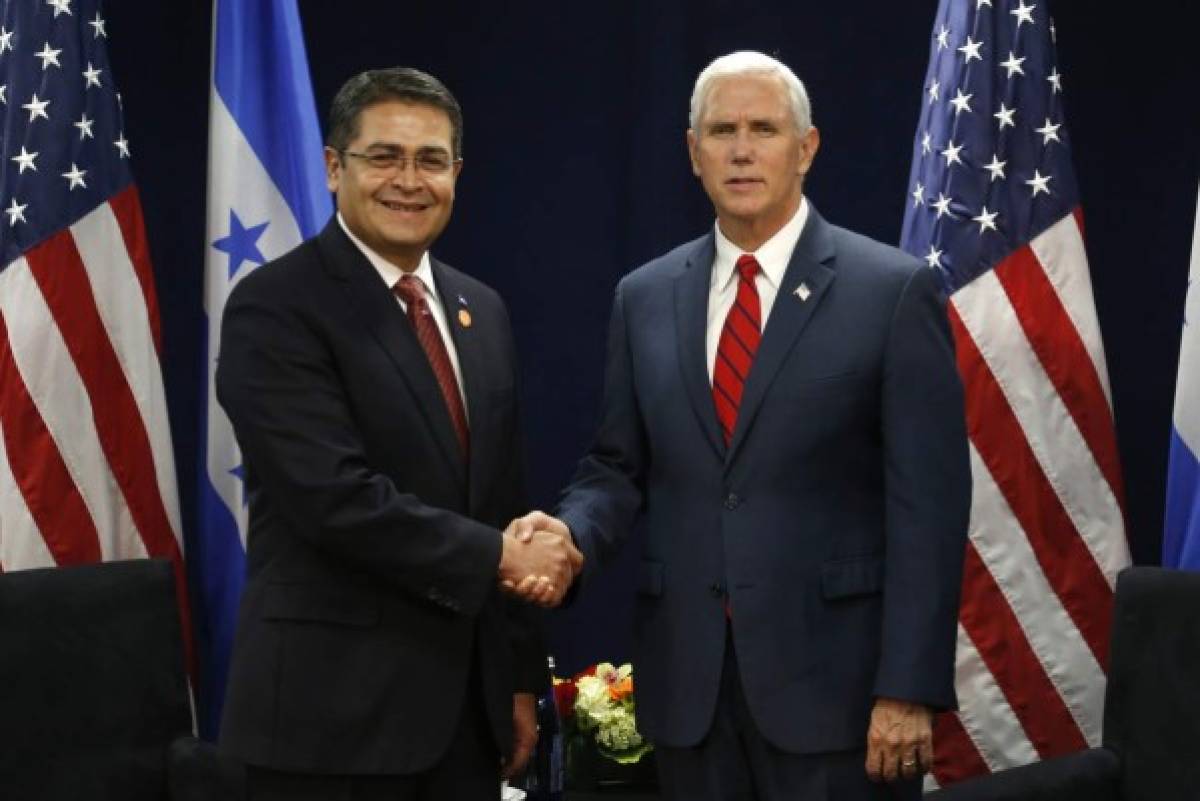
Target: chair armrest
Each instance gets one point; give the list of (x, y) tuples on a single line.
[(1092, 775), (197, 772)]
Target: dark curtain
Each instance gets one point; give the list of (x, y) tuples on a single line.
[(576, 172)]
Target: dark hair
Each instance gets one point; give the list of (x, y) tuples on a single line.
[(394, 83)]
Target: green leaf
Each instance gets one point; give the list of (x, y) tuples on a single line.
[(625, 757)]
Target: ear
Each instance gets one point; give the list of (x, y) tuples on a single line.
[(333, 169), (809, 144), (693, 146), (457, 168)]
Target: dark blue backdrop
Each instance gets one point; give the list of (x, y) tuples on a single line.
[(576, 172)]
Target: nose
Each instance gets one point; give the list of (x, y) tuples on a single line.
[(406, 176), (742, 151)]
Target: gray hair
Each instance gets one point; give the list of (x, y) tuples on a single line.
[(742, 63)]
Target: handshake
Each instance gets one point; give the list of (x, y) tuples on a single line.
[(539, 560)]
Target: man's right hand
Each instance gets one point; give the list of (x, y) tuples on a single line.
[(539, 560)]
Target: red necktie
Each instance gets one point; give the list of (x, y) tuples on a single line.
[(736, 347), (412, 292)]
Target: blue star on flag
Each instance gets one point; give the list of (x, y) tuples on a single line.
[(241, 243), (239, 473)]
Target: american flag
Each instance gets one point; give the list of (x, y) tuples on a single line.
[(994, 207), (86, 467)]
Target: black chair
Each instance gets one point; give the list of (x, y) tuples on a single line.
[(1151, 737), (94, 700)]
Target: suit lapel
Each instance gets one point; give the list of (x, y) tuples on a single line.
[(691, 331), (385, 320), (456, 301), (811, 265)]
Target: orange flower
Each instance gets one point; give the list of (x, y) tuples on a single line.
[(621, 689)]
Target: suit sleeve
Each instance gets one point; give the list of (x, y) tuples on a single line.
[(605, 496), (280, 387), (927, 479)]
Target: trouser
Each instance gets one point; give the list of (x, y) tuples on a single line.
[(734, 762)]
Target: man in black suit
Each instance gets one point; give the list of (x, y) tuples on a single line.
[(373, 392)]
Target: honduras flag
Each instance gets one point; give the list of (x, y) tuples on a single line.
[(1181, 538), (266, 194)]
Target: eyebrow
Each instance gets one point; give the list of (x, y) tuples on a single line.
[(753, 123), (400, 148)]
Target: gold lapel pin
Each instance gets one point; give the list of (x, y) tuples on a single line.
[(464, 318)]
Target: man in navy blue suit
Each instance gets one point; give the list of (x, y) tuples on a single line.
[(783, 413)]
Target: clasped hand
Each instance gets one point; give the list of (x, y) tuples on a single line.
[(539, 560)]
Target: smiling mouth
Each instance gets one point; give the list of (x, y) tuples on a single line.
[(396, 205)]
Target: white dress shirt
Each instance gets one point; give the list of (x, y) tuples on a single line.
[(391, 275), (772, 257)]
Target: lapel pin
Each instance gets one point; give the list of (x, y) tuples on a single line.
[(464, 317), (802, 292), (462, 301)]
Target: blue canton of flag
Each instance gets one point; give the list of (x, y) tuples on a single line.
[(64, 147), (266, 194), (991, 165), (993, 207), (1181, 538)]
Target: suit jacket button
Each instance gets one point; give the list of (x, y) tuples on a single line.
[(732, 501)]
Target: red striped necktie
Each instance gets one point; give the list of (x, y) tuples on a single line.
[(412, 292), (736, 347)]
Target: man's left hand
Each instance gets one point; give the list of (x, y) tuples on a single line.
[(899, 740), (525, 733)]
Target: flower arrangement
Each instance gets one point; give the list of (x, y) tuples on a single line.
[(597, 705)]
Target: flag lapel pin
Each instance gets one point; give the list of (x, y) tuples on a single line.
[(802, 292)]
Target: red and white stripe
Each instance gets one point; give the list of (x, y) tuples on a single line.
[(1047, 532), (86, 467)]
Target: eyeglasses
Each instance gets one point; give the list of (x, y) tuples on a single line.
[(430, 162)]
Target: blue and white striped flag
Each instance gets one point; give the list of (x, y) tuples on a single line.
[(1181, 537), (266, 194)]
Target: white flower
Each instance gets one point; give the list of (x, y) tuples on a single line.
[(592, 700), (613, 675), (618, 732)]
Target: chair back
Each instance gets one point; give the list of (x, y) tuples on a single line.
[(1152, 706), (92, 681)]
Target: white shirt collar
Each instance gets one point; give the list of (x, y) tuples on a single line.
[(772, 256), (388, 272)]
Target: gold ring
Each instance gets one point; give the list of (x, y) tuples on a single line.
[(908, 763)]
